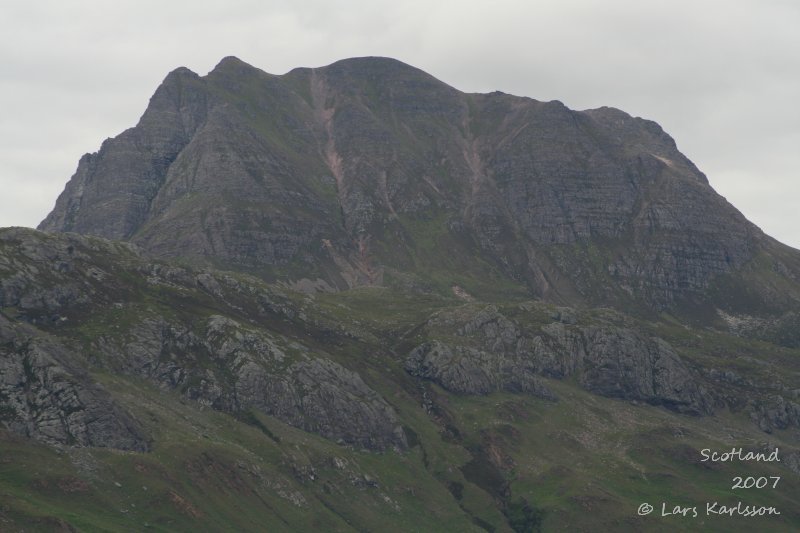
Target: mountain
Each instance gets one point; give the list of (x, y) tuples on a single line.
[(355, 298), (372, 172)]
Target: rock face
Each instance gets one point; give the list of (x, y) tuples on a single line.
[(469, 371), (139, 158), (233, 368), (775, 413), (45, 390), (620, 363), (610, 361), (369, 166), (45, 396)]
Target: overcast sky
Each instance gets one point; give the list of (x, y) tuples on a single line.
[(722, 77)]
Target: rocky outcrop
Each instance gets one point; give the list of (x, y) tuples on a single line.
[(774, 412), (782, 330), (58, 282), (368, 165), (620, 363), (46, 396), (233, 368), (43, 276), (616, 362), (466, 370)]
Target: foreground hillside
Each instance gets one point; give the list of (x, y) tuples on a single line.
[(139, 394)]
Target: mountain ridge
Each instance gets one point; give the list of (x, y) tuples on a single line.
[(332, 170)]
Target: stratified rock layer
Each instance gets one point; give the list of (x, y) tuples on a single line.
[(494, 353), (46, 395), (369, 166)]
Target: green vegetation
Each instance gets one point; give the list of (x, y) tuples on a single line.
[(499, 462)]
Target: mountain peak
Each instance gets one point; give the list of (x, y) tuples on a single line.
[(308, 169), (372, 62), (177, 77), (182, 71), (231, 64), (378, 67)]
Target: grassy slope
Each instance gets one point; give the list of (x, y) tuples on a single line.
[(583, 464)]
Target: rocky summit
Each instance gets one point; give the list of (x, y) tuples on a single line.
[(354, 298), (372, 172)]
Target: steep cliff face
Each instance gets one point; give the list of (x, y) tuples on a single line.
[(368, 171), (47, 396), (111, 192)]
